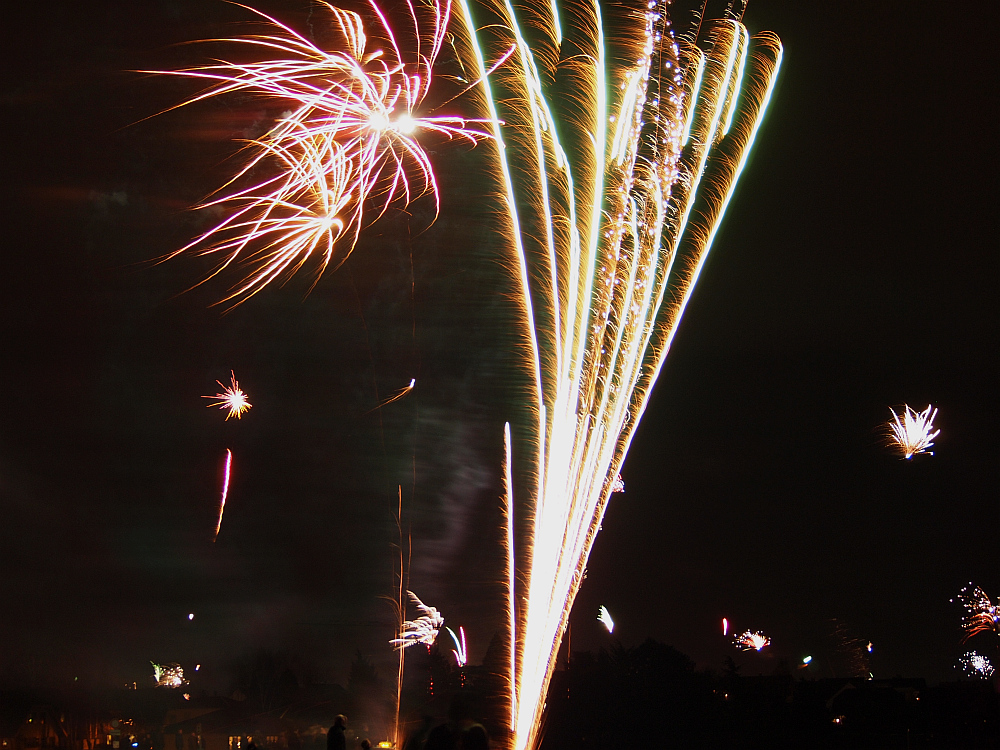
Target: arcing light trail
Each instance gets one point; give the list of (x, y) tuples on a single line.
[(232, 398), (614, 159), (910, 431), (222, 503), (460, 651)]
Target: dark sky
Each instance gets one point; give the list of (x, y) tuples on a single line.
[(855, 270)]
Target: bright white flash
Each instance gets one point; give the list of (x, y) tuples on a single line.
[(604, 617), (910, 431), (751, 641)]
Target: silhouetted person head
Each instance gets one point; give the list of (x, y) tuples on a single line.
[(366, 744), (340, 722)]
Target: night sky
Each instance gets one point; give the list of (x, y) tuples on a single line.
[(855, 271)]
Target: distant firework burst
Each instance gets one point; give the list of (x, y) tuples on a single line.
[(912, 433), (423, 630), (981, 614), (975, 665), (231, 399), (750, 640), (168, 675)]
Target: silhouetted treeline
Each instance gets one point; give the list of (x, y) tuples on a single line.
[(652, 696)]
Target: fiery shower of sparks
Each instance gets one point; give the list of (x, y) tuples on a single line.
[(606, 247), (604, 617), (981, 615), (231, 398), (168, 675), (346, 149), (749, 640), (460, 651), (911, 432), (424, 629), (596, 197), (222, 502), (975, 665)]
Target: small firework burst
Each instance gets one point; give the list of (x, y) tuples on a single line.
[(604, 617), (981, 614), (910, 432), (168, 675), (750, 640), (619, 484), (422, 630), (231, 398), (975, 665)]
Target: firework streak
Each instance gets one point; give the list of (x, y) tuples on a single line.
[(613, 178), (222, 502)]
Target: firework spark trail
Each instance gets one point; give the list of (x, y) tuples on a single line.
[(976, 665), (460, 651), (607, 244), (749, 640), (232, 398), (910, 431), (344, 152), (604, 617), (396, 396), (424, 629), (225, 494), (981, 614)]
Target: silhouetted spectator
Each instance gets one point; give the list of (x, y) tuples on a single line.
[(442, 737), (366, 744), (418, 739), (335, 739), (474, 737)]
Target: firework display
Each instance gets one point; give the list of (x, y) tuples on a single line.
[(168, 675), (599, 212), (344, 153), (981, 614), (231, 398), (608, 201), (604, 617), (910, 432), (975, 665), (750, 640), (424, 629)]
